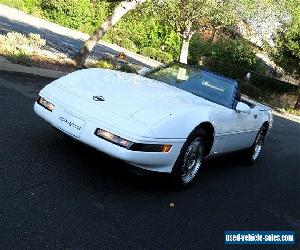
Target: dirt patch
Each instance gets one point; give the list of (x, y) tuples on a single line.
[(64, 65)]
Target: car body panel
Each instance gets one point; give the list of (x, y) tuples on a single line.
[(160, 162)]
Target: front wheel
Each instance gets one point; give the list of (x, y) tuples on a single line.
[(190, 159)]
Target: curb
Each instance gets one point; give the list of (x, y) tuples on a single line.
[(290, 117), (16, 68)]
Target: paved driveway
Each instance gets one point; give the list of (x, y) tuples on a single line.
[(57, 193)]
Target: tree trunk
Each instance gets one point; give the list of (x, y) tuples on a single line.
[(121, 9), (184, 50), (297, 105), (214, 35)]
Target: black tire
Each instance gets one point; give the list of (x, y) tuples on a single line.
[(252, 154), (179, 173)]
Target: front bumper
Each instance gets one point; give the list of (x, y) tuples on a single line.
[(154, 161)]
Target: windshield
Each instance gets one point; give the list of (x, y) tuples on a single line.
[(199, 82)]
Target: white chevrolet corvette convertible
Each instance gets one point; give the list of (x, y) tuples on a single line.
[(168, 120)]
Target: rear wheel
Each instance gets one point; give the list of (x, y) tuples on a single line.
[(254, 151), (190, 159)]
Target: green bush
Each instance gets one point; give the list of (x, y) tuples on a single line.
[(135, 32), (249, 90), (226, 69), (14, 3), (104, 64), (127, 68), (271, 86), (14, 41), (35, 41), (283, 102), (70, 13), (19, 48), (127, 44), (121, 38), (148, 51), (164, 57), (228, 52), (144, 30), (156, 54), (20, 57), (280, 95)]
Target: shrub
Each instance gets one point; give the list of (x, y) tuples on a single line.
[(20, 57), (285, 102), (35, 41), (70, 13), (148, 51), (14, 42), (135, 32), (272, 86), (249, 90), (228, 52), (32, 7), (157, 54), (127, 44), (226, 69), (127, 68), (14, 3), (122, 38), (144, 30), (164, 57), (15, 39), (105, 64)]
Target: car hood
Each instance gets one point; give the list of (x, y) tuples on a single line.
[(129, 95)]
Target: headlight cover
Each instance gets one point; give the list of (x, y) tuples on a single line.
[(45, 104), (108, 136)]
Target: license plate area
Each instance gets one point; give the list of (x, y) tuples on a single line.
[(70, 123)]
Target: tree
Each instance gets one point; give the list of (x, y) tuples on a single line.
[(190, 16), (287, 47), (121, 9)]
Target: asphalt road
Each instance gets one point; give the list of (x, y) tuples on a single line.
[(58, 193)]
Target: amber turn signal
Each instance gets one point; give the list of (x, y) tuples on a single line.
[(166, 148)]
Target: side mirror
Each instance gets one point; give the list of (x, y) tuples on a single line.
[(242, 107)]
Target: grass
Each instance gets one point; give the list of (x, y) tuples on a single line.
[(109, 63), (289, 111), (26, 50), (19, 48), (19, 57)]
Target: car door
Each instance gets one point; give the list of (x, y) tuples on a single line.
[(234, 130)]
